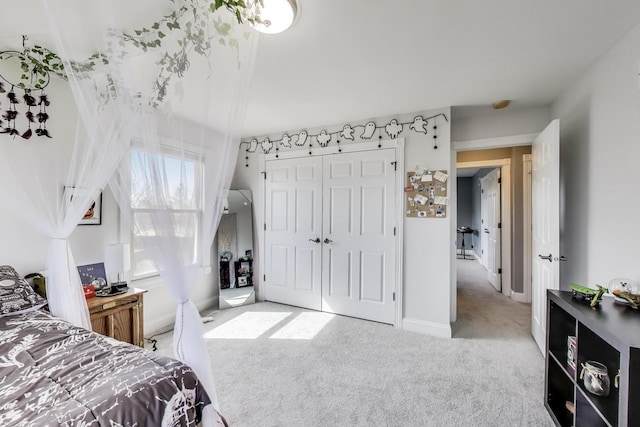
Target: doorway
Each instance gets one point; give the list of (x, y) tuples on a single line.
[(491, 236), (479, 220), (509, 161)]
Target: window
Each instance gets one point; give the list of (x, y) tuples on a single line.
[(166, 201)]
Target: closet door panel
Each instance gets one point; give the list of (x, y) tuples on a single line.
[(293, 198), (359, 218)]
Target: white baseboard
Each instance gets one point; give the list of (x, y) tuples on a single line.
[(519, 297), (441, 330)]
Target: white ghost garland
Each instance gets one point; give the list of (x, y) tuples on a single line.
[(393, 129)]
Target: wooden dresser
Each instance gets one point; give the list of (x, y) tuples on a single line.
[(119, 316)]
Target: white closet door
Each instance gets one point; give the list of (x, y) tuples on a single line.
[(293, 232), (358, 274)]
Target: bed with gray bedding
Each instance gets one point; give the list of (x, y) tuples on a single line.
[(53, 373)]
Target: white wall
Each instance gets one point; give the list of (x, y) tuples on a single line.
[(599, 170), (428, 246), (471, 123), (25, 248)]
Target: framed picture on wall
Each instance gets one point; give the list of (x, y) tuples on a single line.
[(93, 215)]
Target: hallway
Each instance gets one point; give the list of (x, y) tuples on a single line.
[(482, 311)]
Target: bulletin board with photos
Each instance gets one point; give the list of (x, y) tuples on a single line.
[(426, 194)]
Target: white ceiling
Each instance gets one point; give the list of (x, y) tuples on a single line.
[(350, 60), (358, 59)]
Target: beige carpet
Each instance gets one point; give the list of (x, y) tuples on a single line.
[(277, 365)]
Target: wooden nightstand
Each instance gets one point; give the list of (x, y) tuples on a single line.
[(119, 316)]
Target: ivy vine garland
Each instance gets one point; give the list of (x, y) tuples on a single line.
[(194, 15)]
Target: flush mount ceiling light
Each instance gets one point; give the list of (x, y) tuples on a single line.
[(277, 15)]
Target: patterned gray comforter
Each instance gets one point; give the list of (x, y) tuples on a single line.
[(52, 373)]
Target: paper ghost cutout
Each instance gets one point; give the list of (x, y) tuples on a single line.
[(393, 129), (253, 145), (286, 141), (369, 129), (347, 132), (267, 145), (302, 138), (418, 125), (323, 138)]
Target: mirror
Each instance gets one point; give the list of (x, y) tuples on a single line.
[(235, 250)]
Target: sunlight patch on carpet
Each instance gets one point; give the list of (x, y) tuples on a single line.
[(304, 326), (248, 326)]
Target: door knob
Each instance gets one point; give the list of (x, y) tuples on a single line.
[(548, 257), (316, 240), (562, 258), (328, 241)]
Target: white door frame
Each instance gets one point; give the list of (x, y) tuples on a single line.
[(505, 213), (525, 296), (398, 145), (471, 145)]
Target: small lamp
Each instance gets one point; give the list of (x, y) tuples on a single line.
[(117, 259)]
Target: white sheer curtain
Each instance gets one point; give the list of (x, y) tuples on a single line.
[(52, 196), (179, 84)]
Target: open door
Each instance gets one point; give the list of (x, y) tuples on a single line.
[(491, 236), (545, 225)]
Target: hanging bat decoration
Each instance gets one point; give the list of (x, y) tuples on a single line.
[(39, 80), (12, 97), (42, 116), (44, 100), (29, 100), (10, 115), (43, 132)]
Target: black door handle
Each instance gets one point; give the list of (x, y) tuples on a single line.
[(316, 240), (548, 257)]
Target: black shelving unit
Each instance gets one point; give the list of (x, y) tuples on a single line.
[(244, 273), (609, 334)]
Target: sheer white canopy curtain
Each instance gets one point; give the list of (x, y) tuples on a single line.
[(177, 73), (52, 195)]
